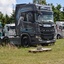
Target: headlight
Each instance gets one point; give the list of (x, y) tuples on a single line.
[(39, 38)]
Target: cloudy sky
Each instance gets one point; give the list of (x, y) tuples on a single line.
[(6, 6)]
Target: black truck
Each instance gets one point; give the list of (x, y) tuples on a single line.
[(34, 24)]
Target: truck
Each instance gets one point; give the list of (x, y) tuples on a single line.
[(60, 29), (9, 32), (9, 29), (34, 24)]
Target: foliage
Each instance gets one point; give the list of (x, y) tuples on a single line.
[(5, 19), (39, 1), (12, 18), (43, 2), (2, 19), (58, 14)]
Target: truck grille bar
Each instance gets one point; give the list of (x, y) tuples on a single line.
[(47, 33)]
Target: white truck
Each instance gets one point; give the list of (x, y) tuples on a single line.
[(60, 29), (10, 34), (9, 30)]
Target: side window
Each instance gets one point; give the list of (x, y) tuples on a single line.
[(60, 27), (30, 17), (24, 15), (63, 27)]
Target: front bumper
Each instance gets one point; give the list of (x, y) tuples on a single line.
[(47, 41), (40, 40)]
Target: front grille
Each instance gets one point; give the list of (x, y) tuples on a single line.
[(47, 36), (47, 33)]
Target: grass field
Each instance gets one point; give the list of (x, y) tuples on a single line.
[(13, 55)]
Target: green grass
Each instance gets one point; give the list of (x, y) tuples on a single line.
[(13, 55)]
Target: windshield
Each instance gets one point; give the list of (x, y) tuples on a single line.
[(45, 16), (10, 28)]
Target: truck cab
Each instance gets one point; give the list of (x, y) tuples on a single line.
[(9, 30), (10, 35), (34, 24)]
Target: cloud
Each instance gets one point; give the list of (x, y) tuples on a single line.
[(6, 6)]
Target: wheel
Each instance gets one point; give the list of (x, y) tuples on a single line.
[(58, 37), (6, 40), (44, 44), (25, 41)]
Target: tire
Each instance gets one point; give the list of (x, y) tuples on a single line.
[(6, 40), (58, 37), (25, 41)]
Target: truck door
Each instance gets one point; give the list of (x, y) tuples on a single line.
[(28, 25)]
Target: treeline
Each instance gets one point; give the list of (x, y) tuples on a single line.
[(58, 12), (58, 15), (5, 19)]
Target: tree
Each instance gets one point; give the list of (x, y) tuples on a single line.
[(7, 19), (43, 2), (39, 1), (2, 19), (57, 12), (12, 18)]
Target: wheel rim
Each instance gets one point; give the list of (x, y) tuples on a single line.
[(25, 42)]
